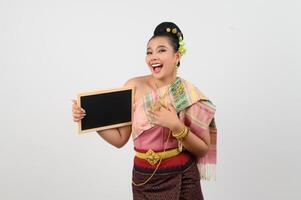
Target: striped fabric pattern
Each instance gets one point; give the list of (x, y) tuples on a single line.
[(194, 109)]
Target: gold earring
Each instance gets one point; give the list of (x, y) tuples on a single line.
[(177, 67)]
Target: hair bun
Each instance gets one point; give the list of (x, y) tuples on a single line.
[(168, 28)]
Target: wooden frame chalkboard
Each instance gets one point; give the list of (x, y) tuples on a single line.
[(105, 109)]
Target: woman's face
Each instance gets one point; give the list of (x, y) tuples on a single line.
[(161, 58)]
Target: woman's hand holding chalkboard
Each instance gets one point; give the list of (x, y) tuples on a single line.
[(77, 112)]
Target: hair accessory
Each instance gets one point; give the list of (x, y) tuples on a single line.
[(182, 48)]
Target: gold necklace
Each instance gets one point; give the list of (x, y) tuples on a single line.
[(154, 107)]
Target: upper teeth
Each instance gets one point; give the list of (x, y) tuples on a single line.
[(156, 65)]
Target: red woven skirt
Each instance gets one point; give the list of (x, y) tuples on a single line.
[(177, 178)]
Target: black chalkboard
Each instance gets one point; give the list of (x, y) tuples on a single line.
[(106, 109)]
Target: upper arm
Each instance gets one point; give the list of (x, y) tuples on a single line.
[(130, 83), (206, 136), (125, 133), (198, 118)]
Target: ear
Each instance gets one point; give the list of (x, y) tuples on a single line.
[(178, 56)]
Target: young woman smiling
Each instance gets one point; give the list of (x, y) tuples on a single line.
[(173, 125)]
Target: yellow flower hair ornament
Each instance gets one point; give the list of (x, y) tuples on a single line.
[(182, 48)]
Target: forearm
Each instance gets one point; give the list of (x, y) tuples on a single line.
[(194, 144), (117, 137)]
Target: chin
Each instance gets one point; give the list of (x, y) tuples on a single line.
[(158, 76)]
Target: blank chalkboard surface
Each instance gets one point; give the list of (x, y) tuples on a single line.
[(106, 109)]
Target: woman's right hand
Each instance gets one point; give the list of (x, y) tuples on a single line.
[(77, 112)]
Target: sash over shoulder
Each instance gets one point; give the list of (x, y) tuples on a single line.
[(194, 109)]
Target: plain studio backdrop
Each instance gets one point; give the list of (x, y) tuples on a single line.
[(244, 55)]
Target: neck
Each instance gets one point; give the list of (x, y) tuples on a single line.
[(164, 81)]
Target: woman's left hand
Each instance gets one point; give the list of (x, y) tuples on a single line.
[(166, 117)]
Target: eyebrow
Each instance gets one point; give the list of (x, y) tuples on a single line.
[(160, 46)]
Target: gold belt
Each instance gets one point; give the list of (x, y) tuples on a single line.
[(153, 157)]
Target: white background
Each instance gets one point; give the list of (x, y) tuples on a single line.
[(244, 55)]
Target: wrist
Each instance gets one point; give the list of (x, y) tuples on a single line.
[(180, 135), (177, 127)]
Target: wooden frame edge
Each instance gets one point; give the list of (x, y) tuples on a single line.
[(79, 95)]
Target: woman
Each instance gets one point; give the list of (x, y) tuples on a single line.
[(173, 128)]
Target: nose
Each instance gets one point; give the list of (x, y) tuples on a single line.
[(154, 57)]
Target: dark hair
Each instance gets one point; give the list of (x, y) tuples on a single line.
[(161, 30), (166, 29)]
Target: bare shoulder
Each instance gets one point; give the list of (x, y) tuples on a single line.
[(137, 81), (140, 84)]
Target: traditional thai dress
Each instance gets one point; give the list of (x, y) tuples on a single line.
[(177, 176)]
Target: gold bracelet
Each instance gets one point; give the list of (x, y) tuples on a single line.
[(181, 134), (181, 137), (178, 133)]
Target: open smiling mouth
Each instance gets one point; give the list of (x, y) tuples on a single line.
[(157, 67)]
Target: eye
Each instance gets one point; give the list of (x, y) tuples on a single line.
[(148, 53), (162, 50)]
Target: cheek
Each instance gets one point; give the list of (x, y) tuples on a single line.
[(169, 59), (146, 59)]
